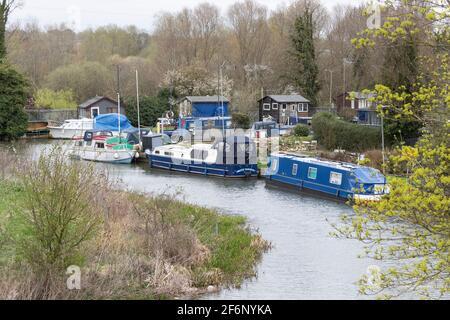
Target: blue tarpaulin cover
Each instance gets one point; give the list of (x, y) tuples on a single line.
[(110, 122)]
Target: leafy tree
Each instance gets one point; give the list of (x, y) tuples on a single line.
[(411, 225), (304, 51), (151, 108), (63, 99), (13, 98)]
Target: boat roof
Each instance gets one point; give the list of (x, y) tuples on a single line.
[(362, 173), (327, 163), (174, 147)]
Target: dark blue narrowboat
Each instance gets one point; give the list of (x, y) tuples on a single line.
[(233, 157), (343, 181)]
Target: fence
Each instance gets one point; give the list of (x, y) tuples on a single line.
[(51, 115)]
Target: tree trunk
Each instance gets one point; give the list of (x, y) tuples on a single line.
[(2, 32)]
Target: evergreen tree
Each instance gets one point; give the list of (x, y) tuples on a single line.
[(306, 77), (400, 70), (13, 98)]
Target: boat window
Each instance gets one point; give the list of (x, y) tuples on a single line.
[(168, 154), (274, 165), (312, 173), (336, 178), (295, 169), (100, 145), (157, 152)]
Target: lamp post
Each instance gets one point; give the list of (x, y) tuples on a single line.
[(345, 62), (331, 86)]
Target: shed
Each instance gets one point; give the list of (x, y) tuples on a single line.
[(97, 106), (204, 106)]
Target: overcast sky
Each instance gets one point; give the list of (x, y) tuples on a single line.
[(93, 13)]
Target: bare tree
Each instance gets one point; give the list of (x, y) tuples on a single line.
[(249, 26), (6, 8)]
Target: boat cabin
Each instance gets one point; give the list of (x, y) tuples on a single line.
[(233, 157)]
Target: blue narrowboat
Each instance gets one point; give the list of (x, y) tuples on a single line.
[(343, 181), (231, 157)]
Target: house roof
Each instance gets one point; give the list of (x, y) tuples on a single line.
[(95, 100), (205, 99), (287, 98)]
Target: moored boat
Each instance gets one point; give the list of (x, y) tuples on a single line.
[(102, 146), (233, 157), (343, 181), (71, 128)]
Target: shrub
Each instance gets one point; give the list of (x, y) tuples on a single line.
[(57, 215), (241, 120), (301, 130), (333, 133)]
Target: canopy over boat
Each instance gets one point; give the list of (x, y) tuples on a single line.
[(111, 122), (367, 175)]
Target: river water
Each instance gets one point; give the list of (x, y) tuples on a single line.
[(305, 262)]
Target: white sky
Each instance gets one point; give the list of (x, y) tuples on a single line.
[(82, 14)]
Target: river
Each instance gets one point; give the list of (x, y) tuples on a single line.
[(305, 262)]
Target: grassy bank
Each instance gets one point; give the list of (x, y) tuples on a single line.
[(127, 245)]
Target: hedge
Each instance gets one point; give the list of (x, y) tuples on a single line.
[(334, 133)]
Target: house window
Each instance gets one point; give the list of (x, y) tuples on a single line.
[(353, 103), (284, 106), (274, 106), (266, 106), (312, 173), (302, 107), (336, 178), (294, 169)]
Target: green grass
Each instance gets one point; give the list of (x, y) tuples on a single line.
[(234, 249)]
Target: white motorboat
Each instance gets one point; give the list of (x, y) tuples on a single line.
[(71, 128), (102, 146)]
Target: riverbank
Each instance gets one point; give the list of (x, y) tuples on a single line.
[(143, 246)]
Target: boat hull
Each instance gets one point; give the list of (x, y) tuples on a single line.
[(206, 169), (106, 156), (65, 134)]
